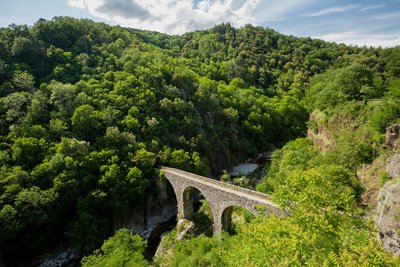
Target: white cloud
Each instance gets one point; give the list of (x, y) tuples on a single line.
[(171, 16), (77, 3), (361, 39), (386, 16), (366, 8), (332, 10)]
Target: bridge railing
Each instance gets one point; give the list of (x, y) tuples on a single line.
[(218, 183)]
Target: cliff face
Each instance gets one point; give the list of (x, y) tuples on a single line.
[(393, 167), (388, 208), (318, 133), (160, 206), (388, 163), (392, 138), (388, 216), (370, 176)]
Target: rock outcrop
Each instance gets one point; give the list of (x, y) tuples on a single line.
[(160, 206), (164, 254), (388, 216), (318, 133), (187, 229), (393, 167), (67, 257), (392, 138)]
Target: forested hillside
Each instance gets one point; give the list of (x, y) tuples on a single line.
[(88, 112)]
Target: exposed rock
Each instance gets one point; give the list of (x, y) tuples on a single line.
[(160, 206), (164, 254), (167, 212), (392, 139), (162, 250), (388, 216), (370, 176), (187, 228), (62, 258), (318, 133), (393, 167)]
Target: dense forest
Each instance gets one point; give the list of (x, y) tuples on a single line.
[(88, 112)]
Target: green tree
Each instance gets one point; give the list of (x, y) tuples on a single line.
[(28, 151), (123, 249), (85, 123), (23, 81)]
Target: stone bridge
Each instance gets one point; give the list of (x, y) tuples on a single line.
[(221, 196)]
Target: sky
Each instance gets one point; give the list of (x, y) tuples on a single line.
[(357, 22)]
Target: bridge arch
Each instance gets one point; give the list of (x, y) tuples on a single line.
[(226, 217), (190, 193)]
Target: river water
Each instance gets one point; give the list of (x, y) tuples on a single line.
[(250, 165), (153, 241)]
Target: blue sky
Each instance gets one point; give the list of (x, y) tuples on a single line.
[(367, 22)]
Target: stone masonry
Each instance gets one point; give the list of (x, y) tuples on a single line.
[(221, 197)]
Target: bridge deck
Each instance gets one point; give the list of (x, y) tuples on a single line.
[(224, 187)]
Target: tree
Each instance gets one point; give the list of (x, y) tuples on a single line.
[(62, 96), (23, 81), (27, 151), (123, 249), (85, 123)]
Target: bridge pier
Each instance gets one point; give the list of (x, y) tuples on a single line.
[(217, 226), (183, 209), (187, 203), (222, 221)]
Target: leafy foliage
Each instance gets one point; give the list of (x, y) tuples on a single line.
[(123, 249)]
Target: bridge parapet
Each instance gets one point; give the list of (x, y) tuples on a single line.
[(218, 183)]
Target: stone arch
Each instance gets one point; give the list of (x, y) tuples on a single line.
[(178, 189), (169, 193), (226, 216), (188, 198)]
